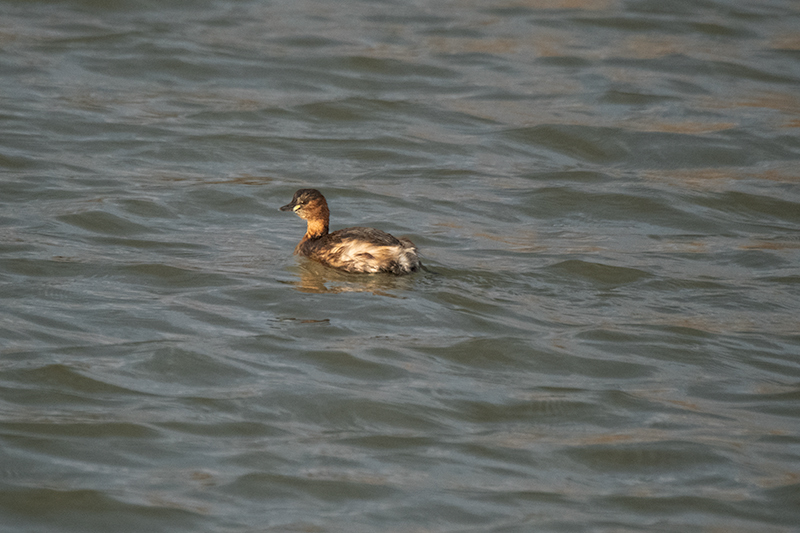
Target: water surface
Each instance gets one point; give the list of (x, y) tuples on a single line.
[(606, 196)]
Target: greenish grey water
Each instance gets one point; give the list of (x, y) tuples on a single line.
[(606, 194)]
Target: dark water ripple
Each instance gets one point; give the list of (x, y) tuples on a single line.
[(605, 194)]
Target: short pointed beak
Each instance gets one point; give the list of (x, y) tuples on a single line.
[(288, 207)]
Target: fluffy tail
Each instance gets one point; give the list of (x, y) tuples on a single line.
[(408, 259)]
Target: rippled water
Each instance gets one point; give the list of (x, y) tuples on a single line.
[(605, 193)]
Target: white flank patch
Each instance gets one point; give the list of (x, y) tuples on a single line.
[(367, 257)]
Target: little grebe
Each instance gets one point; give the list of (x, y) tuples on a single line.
[(351, 249)]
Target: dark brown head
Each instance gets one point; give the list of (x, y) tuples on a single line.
[(310, 205)]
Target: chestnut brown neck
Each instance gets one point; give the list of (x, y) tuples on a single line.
[(316, 228), (317, 217)]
